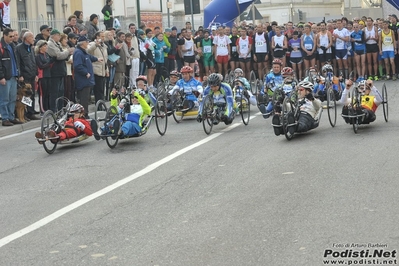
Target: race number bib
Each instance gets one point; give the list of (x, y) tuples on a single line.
[(388, 40), (234, 49), (207, 49), (309, 46), (27, 101)]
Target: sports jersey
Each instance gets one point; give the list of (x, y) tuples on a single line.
[(260, 43), (359, 43), (222, 45), (339, 43), (387, 41)]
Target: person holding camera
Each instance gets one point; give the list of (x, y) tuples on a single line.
[(98, 49)]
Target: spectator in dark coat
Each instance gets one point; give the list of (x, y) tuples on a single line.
[(84, 76), (27, 63)]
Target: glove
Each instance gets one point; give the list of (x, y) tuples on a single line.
[(199, 118), (79, 124), (309, 96), (136, 94)]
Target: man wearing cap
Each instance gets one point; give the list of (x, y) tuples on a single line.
[(58, 70), (72, 39), (84, 75), (44, 33), (135, 55), (92, 26), (8, 79), (26, 60)]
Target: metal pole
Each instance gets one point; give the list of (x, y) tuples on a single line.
[(138, 13), (167, 8), (192, 15), (253, 13)]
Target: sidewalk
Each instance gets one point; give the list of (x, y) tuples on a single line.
[(5, 131)]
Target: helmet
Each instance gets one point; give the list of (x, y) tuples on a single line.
[(362, 83), (77, 108), (214, 79), (174, 73), (143, 78), (238, 72), (287, 71), (277, 61), (306, 84), (312, 69), (186, 69), (327, 68)]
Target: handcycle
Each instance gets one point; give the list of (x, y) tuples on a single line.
[(212, 113), (292, 104), (242, 104), (331, 97), (55, 121), (105, 120), (355, 114)]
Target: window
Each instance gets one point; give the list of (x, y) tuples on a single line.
[(22, 21), (50, 10)]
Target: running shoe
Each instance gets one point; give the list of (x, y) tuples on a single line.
[(376, 78)]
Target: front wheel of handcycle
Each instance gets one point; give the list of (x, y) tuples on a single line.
[(177, 104), (385, 102), (245, 108), (286, 108), (207, 114), (112, 139), (331, 107), (100, 113), (161, 116), (49, 122), (253, 82)]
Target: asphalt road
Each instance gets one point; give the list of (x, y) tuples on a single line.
[(241, 196)]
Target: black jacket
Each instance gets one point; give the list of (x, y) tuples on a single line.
[(45, 62), (26, 60), (5, 60), (40, 37)]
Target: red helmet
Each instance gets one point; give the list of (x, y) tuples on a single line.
[(277, 61), (143, 78), (174, 73), (287, 71), (186, 69)]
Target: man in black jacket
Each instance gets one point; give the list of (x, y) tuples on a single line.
[(9, 74), (27, 62), (108, 17)]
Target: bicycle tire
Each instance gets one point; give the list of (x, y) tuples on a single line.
[(112, 141), (385, 102), (161, 116), (253, 81), (245, 109), (207, 114), (48, 123), (331, 107), (287, 107)]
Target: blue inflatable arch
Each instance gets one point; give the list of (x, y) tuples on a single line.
[(224, 12)]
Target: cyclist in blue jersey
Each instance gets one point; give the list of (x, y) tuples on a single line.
[(189, 86), (273, 80), (222, 94)]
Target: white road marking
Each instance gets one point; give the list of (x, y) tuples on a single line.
[(5, 240), (20, 133)]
